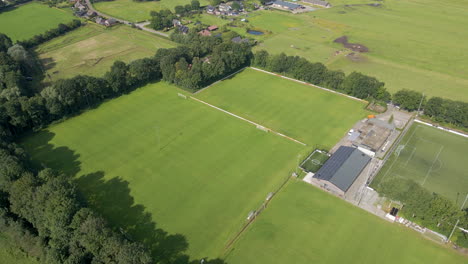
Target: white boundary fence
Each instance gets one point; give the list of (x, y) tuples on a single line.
[(309, 84), (251, 122), (442, 128)]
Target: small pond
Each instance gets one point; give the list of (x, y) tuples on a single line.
[(255, 32)]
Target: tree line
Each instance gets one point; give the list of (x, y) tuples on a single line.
[(426, 208), (436, 108), (61, 29), (364, 87), (355, 84)]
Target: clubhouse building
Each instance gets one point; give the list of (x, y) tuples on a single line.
[(341, 170)]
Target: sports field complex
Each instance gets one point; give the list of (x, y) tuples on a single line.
[(183, 176)]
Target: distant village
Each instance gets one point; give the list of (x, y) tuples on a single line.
[(82, 10), (236, 8)]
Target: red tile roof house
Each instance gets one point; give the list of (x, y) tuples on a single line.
[(212, 28), (205, 33)]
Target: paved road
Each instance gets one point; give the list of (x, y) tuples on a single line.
[(140, 25)]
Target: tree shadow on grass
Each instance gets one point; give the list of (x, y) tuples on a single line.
[(112, 199)]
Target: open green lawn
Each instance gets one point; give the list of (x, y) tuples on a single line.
[(406, 51), (303, 224), (24, 22), (151, 160), (10, 254), (433, 158), (92, 49), (138, 11), (306, 113)]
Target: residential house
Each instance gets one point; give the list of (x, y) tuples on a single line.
[(176, 22), (110, 22), (212, 28), (79, 7), (210, 9), (183, 29), (205, 33), (91, 14), (100, 20), (224, 8)]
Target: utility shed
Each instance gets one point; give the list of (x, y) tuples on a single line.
[(343, 167)]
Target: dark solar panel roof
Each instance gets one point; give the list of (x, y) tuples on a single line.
[(343, 167)]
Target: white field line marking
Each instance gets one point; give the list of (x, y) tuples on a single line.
[(432, 165), (442, 128), (251, 122), (397, 158), (220, 80), (410, 157), (309, 84)]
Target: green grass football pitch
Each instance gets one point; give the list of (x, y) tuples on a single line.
[(303, 224), (27, 20), (308, 114), (152, 160), (433, 158), (92, 49)]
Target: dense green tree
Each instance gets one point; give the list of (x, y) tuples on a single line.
[(409, 100), (260, 59), (195, 4), (361, 86), (117, 77), (5, 42)]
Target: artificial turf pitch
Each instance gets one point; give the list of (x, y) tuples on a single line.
[(26, 21), (433, 158), (311, 115), (152, 156), (304, 224)]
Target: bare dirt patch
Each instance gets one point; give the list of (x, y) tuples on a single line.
[(352, 46)]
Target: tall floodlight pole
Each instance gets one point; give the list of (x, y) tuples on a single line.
[(455, 226), (453, 230), (420, 103)]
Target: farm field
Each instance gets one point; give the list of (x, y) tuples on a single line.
[(306, 113), (433, 158), (138, 11), (405, 51), (24, 22), (152, 162), (304, 224), (92, 49)]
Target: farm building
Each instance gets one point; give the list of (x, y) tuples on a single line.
[(285, 5), (342, 169), (318, 3)]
